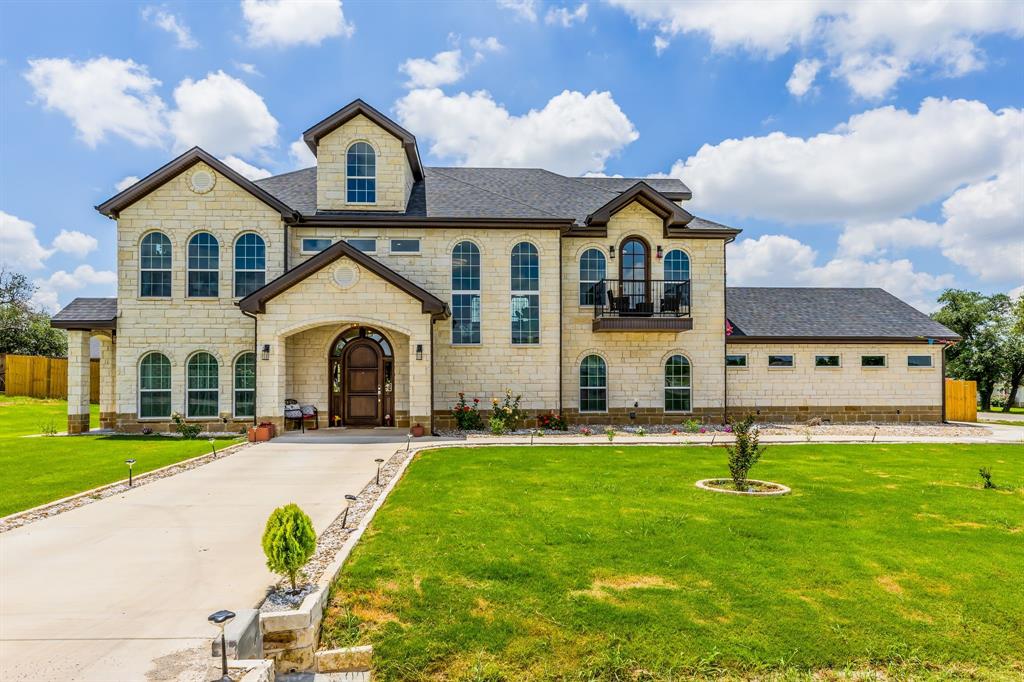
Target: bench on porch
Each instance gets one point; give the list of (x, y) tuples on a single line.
[(300, 413)]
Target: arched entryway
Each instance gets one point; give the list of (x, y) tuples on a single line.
[(362, 378)]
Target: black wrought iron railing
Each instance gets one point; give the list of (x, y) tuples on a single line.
[(641, 298)]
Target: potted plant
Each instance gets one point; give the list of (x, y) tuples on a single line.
[(416, 430), (265, 431)]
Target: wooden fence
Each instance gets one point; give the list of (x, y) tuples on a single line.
[(961, 400), (41, 377)]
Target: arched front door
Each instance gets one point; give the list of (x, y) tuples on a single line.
[(361, 378)]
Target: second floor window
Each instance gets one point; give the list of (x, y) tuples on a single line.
[(525, 294), (677, 273), (465, 293), (361, 174), (155, 265), (592, 271), (203, 266), (250, 264)]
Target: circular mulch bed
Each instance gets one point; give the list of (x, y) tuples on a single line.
[(754, 488)]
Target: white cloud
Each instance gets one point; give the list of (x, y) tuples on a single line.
[(75, 243), (872, 45), (301, 156), (488, 44), (565, 17), (445, 68), (802, 78), (246, 169), (1016, 293), (660, 44), (222, 115), (882, 163), (126, 182), (247, 68), (53, 290), (19, 247), (525, 9), (778, 260), (166, 21), (101, 96), (872, 239), (283, 23), (572, 134)]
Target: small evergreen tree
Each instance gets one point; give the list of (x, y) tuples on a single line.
[(745, 453), (288, 541)]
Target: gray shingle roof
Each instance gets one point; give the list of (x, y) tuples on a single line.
[(820, 312), (488, 193), (86, 310)]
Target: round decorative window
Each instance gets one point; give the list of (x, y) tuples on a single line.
[(202, 181), (346, 276)]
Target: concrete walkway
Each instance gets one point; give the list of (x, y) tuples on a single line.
[(103, 591), (1001, 416)]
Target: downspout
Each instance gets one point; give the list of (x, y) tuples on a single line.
[(561, 324), (433, 431), (725, 341), (942, 381), (255, 363)]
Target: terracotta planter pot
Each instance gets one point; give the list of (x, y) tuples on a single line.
[(258, 434), (416, 431)]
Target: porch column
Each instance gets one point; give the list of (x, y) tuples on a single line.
[(78, 381), (108, 383), (271, 379)]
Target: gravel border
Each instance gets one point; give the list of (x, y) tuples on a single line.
[(705, 484), (22, 518)]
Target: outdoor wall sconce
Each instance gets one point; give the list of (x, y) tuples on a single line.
[(611, 251), (419, 351), (221, 619), (659, 254), (266, 351)]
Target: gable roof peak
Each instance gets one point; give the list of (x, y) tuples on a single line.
[(670, 212)]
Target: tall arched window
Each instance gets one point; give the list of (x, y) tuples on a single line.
[(592, 271), (203, 266), (154, 386), (361, 174), (465, 293), (677, 278), (245, 385), (250, 264), (525, 294), (155, 265), (202, 385), (677, 384), (634, 272), (593, 384)]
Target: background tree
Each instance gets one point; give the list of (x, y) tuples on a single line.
[(24, 329), (1014, 350), (981, 322)]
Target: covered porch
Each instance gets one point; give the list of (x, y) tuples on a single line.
[(84, 319)]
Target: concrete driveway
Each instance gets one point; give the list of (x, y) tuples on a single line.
[(104, 591)]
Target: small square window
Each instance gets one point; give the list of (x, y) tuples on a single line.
[(405, 246), (872, 361), (919, 361), (826, 361), (780, 360), (315, 245), (364, 245), (735, 360)]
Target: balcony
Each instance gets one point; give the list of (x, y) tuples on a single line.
[(651, 305)]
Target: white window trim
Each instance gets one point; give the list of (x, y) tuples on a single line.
[(417, 252), (234, 387), (767, 359), (170, 269), (579, 264), (930, 365), (745, 365), (188, 415), (190, 270), (375, 240), (828, 355), (139, 389), (361, 177), (524, 292), (689, 265), (235, 269), (477, 292), (665, 387), (580, 387), (884, 365), (304, 252)]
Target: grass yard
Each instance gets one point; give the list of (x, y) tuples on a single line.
[(606, 563), (34, 471), (999, 410)]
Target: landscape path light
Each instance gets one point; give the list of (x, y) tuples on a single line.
[(213, 446), (129, 462), (351, 499), (221, 619), (379, 462)]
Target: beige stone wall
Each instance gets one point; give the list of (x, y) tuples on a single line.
[(636, 360), (179, 326), (394, 176), (895, 386)]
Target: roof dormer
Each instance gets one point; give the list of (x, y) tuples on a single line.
[(365, 161)]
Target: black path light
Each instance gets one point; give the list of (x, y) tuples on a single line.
[(213, 446), (379, 462), (221, 619), (408, 441), (351, 499), (129, 462)]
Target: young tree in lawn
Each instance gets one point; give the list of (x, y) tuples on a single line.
[(25, 330), (980, 322)]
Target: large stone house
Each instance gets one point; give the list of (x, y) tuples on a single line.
[(378, 289)]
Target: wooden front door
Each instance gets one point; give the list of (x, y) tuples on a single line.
[(362, 384)]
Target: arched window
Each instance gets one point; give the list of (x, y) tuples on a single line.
[(634, 273), (250, 264), (245, 385), (154, 386), (593, 384), (677, 280), (525, 294), (465, 293), (592, 271), (361, 174), (677, 384), (203, 266), (155, 265), (202, 384)]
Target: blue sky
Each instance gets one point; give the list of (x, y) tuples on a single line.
[(856, 144)]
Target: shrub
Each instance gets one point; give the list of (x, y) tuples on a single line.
[(496, 424), (189, 431), (288, 541), (610, 432), (691, 426), (467, 415), (640, 431), (586, 431), (745, 453), (553, 421), (986, 478), (507, 410), (48, 428)]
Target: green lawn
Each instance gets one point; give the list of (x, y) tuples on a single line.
[(999, 410), (38, 470), (581, 563)]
